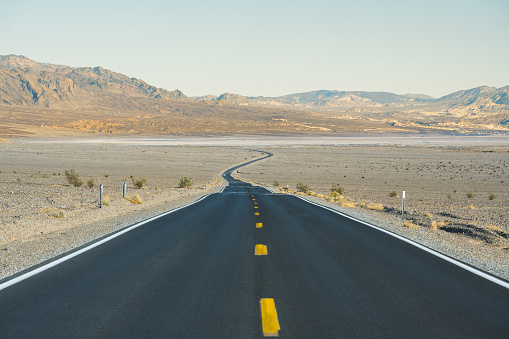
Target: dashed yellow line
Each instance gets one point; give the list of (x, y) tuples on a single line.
[(270, 323), (261, 249), (256, 207), (256, 213), (259, 225), (255, 203)]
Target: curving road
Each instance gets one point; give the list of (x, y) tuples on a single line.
[(193, 273)]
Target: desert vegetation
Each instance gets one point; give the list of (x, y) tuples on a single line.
[(184, 182)]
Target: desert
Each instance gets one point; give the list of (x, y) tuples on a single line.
[(456, 188), (43, 215)]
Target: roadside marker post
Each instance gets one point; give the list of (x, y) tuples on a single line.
[(403, 207), (101, 196), (124, 189)]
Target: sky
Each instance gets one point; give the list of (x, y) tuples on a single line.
[(271, 48)]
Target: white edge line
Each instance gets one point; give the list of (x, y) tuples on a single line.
[(85, 249), (411, 242)]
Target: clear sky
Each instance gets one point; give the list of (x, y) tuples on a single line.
[(271, 48)]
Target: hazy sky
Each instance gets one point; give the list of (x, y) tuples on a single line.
[(271, 48)]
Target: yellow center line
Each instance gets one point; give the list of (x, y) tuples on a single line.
[(259, 225), (255, 203), (261, 249), (256, 213), (256, 207), (270, 323)]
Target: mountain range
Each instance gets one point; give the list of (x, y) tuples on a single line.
[(95, 94), (26, 82)]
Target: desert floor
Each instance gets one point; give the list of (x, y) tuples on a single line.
[(42, 215)]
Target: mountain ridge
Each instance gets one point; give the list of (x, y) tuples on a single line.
[(32, 83)]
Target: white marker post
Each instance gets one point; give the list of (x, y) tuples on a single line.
[(124, 189), (101, 197), (403, 208)]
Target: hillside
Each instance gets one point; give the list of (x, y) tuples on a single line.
[(234, 99), (26, 82), (328, 98)]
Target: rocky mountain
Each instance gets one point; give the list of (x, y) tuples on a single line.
[(328, 98), (26, 82), (234, 99), (484, 96)]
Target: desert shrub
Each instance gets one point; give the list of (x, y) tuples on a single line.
[(91, 183), (449, 196), (375, 207), (276, 183), (492, 196), (441, 223), (185, 182), (135, 199), (302, 187), (45, 176), (470, 195), (73, 178), (393, 194), (58, 214), (433, 226), (336, 188), (106, 200), (410, 224), (139, 183)]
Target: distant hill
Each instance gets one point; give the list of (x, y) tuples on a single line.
[(235, 99), (26, 82), (482, 96), (329, 98)]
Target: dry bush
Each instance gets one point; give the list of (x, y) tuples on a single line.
[(135, 199), (375, 207), (337, 188), (319, 195), (428, 215), (433, 226), (185, 182), (58, 214), (106, 200), (410, 224), (302, 187), (91, 183), (73, 178), (393, 194), (346, 203), (441, 223), (139, 183)]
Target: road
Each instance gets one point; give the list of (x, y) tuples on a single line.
[(193, 273)]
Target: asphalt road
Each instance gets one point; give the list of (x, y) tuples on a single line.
[(193, 273)]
